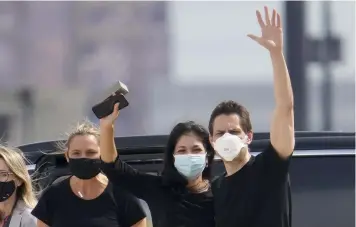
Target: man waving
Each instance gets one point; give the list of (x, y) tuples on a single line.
[(254, 191)]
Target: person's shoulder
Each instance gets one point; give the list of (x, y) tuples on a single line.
[(60, 182), (21, 207), (270, 154), (270, 163), (216, 182), (119, 192), (217, 179), (28, 220), (268, 151), (55, 188), (270, 147), (126, 200)]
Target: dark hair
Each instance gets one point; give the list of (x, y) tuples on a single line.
[(171, 176), (231, 107)]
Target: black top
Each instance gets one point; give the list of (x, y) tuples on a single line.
[(170, 206), (60, 207), (257, 195)]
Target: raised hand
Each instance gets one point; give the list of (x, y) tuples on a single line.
[(110, 120), (271, 28)]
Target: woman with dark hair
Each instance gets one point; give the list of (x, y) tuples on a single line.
[(182, 195)]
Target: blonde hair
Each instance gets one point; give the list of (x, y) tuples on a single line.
[(16, 162), (84, 128)]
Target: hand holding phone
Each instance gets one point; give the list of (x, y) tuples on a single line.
[(106, 107)]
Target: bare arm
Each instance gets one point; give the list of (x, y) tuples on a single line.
[(118, 172), (282, 127), (41, 224), (142, 223), (107, 142)]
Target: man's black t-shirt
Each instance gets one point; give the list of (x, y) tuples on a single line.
[(60, 207), (255, 196), (169, 208)]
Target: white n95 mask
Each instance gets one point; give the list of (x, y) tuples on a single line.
[(190, 165), (229, 146)]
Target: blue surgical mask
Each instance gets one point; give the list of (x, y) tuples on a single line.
[(190, 165)]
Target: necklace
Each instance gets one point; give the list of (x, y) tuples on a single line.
[(202, 186)]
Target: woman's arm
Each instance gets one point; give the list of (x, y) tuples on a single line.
[(118, 172), (41, 224), (142, 223), (107, 143)]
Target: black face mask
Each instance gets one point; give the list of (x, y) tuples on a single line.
[(6, 190), (84, 168)]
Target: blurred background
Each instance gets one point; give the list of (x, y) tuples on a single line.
[(179, 60)]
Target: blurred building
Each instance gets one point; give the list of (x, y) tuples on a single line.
[(124, 41), (56, 56), (179, 59), (196, 102)]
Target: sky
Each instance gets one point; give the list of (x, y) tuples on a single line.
[(209, 43)]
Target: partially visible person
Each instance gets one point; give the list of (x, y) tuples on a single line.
[(255, 191), (87, 199), (182, 195), (16, 193)]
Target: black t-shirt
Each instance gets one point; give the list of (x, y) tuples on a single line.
[(60, 207), (255, 196), (169, 207)]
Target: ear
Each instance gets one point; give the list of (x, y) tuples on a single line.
[(211, 140), (249, 137), (66, 155), (18, 182)]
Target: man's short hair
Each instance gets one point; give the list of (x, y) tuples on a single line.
[(231, 107)]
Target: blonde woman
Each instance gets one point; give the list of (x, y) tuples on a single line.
[(16, 194), (87, 198)]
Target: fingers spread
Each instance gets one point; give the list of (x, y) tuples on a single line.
[(259, 19), (267, 18), (253, 37), (273, 20), (279, 23)]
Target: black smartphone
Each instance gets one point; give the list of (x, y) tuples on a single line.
[(106, 107)]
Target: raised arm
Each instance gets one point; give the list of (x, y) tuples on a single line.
[(112, 166), (118, 172), (107, 142), (282, 127)]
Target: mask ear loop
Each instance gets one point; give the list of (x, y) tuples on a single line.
[(245, 140), (206, 160)]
